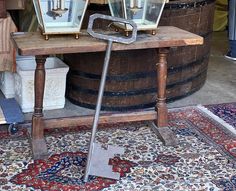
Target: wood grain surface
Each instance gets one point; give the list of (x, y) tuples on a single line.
[(30, 44)]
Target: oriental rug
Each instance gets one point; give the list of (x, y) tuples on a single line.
[(204, 159), (226, 111)]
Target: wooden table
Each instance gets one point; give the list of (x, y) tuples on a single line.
[(33, 44)]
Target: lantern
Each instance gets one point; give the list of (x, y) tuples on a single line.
[(60, 16), (145, 13)]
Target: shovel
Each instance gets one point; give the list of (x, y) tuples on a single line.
[(98, 157)]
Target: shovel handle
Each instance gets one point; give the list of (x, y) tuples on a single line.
[(120, 39)]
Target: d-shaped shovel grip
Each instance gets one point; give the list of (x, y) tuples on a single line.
[(120, 39)]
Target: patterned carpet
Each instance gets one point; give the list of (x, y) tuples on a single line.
[(204, 159), (227, 112)]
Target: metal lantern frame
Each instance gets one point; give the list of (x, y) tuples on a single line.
[(126, 8), (56, 10)]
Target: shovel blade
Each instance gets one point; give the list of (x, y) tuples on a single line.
[(99, 165)]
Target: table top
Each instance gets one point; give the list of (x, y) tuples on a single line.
[(30, 44)]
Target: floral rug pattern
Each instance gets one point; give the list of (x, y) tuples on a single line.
[(227, 112), (204, 159)]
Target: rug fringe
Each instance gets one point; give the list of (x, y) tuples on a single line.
[(218, 119)]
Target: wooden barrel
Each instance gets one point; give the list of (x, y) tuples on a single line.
[(131, 81)]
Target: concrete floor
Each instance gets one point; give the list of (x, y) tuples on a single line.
[(220, 86)]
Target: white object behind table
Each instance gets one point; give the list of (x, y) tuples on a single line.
[(55, 84)]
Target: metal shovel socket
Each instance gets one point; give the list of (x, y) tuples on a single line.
[(120, 39)]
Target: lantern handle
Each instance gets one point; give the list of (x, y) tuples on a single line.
[(110, 37)]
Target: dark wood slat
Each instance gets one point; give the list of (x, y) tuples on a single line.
[(104, 119)]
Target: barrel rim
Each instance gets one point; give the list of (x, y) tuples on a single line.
[(170, 5), (184, 5), (138, 75), (131, 93), (133, 107)]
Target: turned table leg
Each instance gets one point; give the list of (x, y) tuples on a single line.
[(39, 146), (161, 125)]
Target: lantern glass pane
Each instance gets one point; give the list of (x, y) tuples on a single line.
[(117, 8), (134, 9), (63, 16), (145, 13), (153, 12), (37, 11)]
